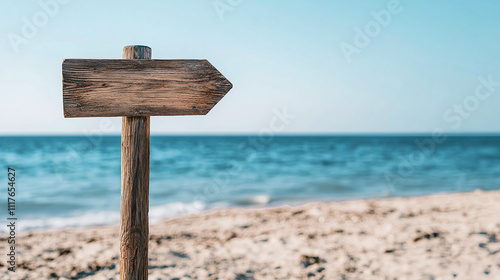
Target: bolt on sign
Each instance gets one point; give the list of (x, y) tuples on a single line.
[(135, 88)]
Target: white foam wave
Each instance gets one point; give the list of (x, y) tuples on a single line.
[(90, 219), (170, 210), (255, 200), (261, 199)]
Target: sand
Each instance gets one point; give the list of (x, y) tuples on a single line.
[(455, 236)]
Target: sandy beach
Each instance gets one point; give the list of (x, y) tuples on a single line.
[(453, 236)]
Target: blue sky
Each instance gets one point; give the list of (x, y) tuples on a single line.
[(334, 66)]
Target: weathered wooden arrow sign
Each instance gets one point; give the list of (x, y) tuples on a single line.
[(111, 88), (137, 88)]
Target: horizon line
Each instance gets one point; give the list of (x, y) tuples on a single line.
[(342, 134)]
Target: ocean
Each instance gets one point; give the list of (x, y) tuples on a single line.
[(70, 181)]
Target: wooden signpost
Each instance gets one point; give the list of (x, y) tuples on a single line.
[(135, 88)]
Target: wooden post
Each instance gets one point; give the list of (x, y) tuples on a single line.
[(134, 226)]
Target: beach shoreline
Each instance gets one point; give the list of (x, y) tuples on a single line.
[(445, 236)]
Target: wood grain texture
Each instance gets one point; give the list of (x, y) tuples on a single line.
[(134, 225), (108, 88)]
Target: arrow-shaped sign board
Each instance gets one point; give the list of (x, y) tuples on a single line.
[(136, 88), (126, 87)]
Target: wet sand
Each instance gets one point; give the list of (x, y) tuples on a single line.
[(455, 236)]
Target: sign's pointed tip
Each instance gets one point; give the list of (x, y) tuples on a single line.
[(228, 86)]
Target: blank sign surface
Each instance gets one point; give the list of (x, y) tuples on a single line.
[(122, 87)]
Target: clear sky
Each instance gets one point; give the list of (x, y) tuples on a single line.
[(335, 66)]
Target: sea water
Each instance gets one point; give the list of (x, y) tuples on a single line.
[(69, 181)]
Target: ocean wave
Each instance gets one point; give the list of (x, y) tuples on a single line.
[(255, 200), (90, 219)]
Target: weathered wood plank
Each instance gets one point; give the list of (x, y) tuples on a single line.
[(134, 224), (108, 88)]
